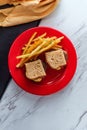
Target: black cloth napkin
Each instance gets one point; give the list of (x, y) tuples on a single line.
[(7, 36)]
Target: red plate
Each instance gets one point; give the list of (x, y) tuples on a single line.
[(55, 80)]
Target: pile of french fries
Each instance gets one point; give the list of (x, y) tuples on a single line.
[(36, 46)]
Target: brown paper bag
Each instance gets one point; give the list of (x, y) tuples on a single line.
[(24, 13)]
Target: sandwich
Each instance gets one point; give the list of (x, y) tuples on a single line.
[(35, 70), (56, 59), (23, 11)]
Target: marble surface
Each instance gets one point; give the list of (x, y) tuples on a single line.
[(64, 110)]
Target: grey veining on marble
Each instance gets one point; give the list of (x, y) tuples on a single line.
[(64, 110)]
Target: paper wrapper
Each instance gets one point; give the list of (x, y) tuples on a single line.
[(24, 13)]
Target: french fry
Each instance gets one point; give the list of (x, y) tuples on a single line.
[(50, 46), (32, 53), (56, 47), (29, 51), (43, 49), (26, 48), (29, 42), (36, 46), (27, 57), (41, 36)]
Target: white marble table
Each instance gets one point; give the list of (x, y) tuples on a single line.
[(64, 110)]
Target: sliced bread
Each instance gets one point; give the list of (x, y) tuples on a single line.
[(55, 59), (35, 70)]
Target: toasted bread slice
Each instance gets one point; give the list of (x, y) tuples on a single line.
[(56, 59), (35, 70)]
